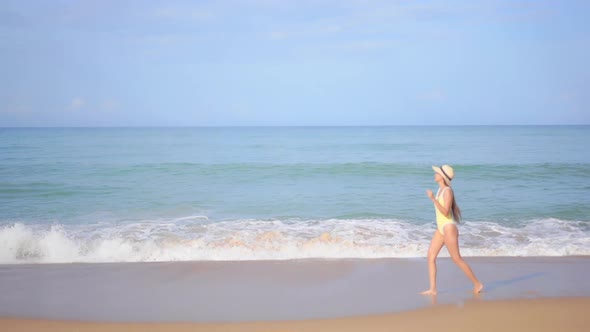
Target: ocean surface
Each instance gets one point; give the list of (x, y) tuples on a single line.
[(168, 194)]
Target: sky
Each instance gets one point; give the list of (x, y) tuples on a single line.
[(293, 63)]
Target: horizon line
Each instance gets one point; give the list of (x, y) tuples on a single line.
[(293, 126)]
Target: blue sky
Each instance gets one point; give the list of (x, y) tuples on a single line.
[(293, 62)]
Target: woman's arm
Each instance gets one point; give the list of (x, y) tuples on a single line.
[(448, 196)]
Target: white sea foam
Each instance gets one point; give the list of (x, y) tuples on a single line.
[(197, 238)]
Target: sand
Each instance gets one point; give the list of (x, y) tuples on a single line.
[(559, 314), (522, 294)]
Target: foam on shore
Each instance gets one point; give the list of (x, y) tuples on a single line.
[(197, 239)]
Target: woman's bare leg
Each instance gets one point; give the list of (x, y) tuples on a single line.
[(436, 244), (451, 239)]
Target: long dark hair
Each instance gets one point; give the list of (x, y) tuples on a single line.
[(456, 210)]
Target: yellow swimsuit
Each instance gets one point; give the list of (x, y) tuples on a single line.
[(441, 219)]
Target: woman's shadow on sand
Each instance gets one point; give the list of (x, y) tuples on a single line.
[(495, 284), (490, 286)]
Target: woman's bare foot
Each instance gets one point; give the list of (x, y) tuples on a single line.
[(477, 288), (429, 292)]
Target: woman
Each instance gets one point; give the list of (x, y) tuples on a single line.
[(447, 233)]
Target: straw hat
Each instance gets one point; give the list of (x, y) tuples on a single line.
[(446, 172)]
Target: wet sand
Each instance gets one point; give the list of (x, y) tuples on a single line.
[(290, 295)]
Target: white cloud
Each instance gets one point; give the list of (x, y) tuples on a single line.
[(332, 28), (15, 105), (201, 15), (15, 109), (364, 45), (166, 12), (77, 103), (567, 96), (278, 35), (109, 105), (434, 95), (240, 109), (188, 13)]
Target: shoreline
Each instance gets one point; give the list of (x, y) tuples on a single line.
[(539, 315), (302, 259)]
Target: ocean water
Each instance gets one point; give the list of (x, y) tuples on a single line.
[(166, 194)]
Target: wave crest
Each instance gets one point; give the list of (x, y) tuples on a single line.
[(197, 238)]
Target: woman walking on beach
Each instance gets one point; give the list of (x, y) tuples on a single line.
[(448, 216)]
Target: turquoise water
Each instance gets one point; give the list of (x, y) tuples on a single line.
[(142, 194)]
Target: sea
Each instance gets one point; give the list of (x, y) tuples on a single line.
[(100, 195)]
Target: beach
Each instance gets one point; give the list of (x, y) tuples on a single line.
[(532, 293), (290, 229), (271, 166)]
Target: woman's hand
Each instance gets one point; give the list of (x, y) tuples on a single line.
[(429, 193)]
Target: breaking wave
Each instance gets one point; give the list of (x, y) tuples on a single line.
[(195, 238)]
